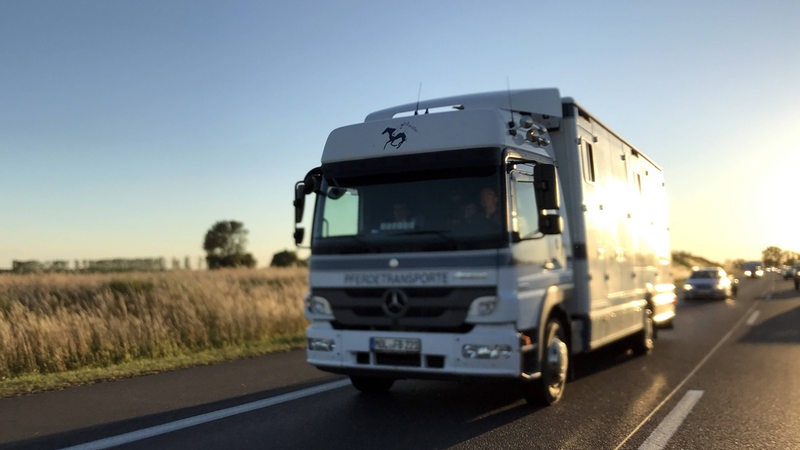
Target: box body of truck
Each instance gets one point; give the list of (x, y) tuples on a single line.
[(489, 235)]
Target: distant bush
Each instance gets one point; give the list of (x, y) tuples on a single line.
[(286, 259)]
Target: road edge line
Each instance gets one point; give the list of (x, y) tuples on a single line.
[(144, 433), (666, 429)]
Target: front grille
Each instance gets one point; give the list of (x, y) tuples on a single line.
[(429, 309)]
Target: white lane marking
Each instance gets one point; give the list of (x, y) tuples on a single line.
[(687, 377), (660, 436), (753, 317), (145, 433)]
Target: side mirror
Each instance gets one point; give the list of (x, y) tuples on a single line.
[(545, 181), (310, 185), (299, 201), (546, 186)]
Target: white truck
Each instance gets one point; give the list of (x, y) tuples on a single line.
[(492, 235)]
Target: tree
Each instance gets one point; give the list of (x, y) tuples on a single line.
[(285, 259), (772, 256), (225, 246)]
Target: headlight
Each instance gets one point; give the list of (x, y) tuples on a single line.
[(482, 306), (688, 287), (318, 306)]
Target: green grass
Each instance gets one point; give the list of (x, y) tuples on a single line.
[(38, 382)]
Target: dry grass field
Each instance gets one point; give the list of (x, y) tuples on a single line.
[(52, 323)]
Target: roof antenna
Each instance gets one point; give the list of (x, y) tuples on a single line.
[(419, 92), (511, 130)]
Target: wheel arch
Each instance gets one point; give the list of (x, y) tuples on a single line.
[(553, 307)]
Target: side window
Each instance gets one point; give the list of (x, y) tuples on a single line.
[(588, 162), (527, 215), (340, 216)]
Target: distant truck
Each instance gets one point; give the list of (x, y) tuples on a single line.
[(753, 269), (492, 235)]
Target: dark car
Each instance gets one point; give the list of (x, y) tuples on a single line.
[(708, 282), (753, 269)]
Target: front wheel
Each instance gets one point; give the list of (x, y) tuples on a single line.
[(549, 388), (371, 385)]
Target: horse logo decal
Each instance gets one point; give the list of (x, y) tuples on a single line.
[(395, 139)]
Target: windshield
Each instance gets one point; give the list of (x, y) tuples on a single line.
[(706, 274), (411, 212)]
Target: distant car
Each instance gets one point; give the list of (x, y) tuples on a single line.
[(708, 282), (753, 269)]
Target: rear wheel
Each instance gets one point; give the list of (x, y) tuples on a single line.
[(644, 341), (549, 388), (371, 385)]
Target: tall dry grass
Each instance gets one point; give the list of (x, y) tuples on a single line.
[(58, 322)]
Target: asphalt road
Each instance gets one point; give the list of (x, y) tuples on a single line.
[(727, 376)]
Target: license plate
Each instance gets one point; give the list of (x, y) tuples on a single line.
[(395, 345)]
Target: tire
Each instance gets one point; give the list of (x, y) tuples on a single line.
[(549, 388), (371, 385), (644, 341)]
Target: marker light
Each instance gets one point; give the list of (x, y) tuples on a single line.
[(534, 135)]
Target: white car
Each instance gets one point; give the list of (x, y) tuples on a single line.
[(708, 282)]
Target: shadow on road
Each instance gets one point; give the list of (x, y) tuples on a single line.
[(783, 328)]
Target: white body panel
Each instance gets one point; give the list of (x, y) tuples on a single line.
[(616, 204)]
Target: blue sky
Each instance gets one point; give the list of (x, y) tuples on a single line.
[(128, 128)]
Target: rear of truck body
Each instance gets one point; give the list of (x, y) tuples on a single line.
[(411, 276)]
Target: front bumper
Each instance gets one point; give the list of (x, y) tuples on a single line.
[(705, 293), (441, 354)]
